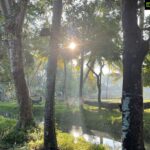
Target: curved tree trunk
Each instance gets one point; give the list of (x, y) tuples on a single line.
[(135, 49), (99, 79), (22, 93), (14, 19), (88, 71), (50, 142)]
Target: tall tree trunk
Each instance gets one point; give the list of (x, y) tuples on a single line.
[(81, 78), (99, 92), (13, 27), (99, 83), (50, 142), (22, 93), (65, 80), (99, 79), (135, 49)]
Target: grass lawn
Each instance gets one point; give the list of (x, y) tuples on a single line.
[(91, 118)]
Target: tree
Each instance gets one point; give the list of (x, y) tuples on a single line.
[(95, 31), (14, 13), (50, 142), (99, 79), (135, 50), (81, 77), (65, 80)]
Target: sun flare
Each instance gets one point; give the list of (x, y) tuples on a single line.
[(72, 46)]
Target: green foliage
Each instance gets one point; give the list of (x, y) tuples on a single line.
[(106, 120), (9, 107), (146, 71), (97, 27), (4, 65), (146, 125), (33, 138), (65, 142), (6, 126), (82, 144), (15, 137)]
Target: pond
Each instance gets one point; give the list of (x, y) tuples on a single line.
[(96, 137), (77, 129)]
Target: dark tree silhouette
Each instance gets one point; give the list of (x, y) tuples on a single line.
[(50, 142), (135, 50)]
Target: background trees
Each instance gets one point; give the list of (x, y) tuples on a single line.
[(95, 28)]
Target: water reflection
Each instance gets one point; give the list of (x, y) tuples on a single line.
[(92, 139), (93, 136), (112, 144), (99, 138)]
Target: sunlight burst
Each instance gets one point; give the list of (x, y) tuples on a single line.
[(72, 46)]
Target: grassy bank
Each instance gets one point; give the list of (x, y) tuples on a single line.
[(108, 121), (33, 138)]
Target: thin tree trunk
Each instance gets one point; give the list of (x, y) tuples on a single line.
[(99, 92), (81, 78), (99, 79), (135, 49), (50, 142), (25, 106), (65, 80), (88, 71), (99, 83)]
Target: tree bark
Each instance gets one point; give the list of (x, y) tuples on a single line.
[(81, 77), (50, 142), (99, 91), (99, 84), (22, 93), (135, 49), (65, 80), (13, 27), (99, 80), (88, 71)]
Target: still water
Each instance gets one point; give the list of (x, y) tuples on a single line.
[(92, 136), (96, 137)]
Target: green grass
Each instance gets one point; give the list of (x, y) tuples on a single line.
[(33, 138), (119, 100), (108, 121), (11, 106), (6, 126)]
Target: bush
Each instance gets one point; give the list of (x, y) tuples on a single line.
[(15, 137), (6, 125)]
